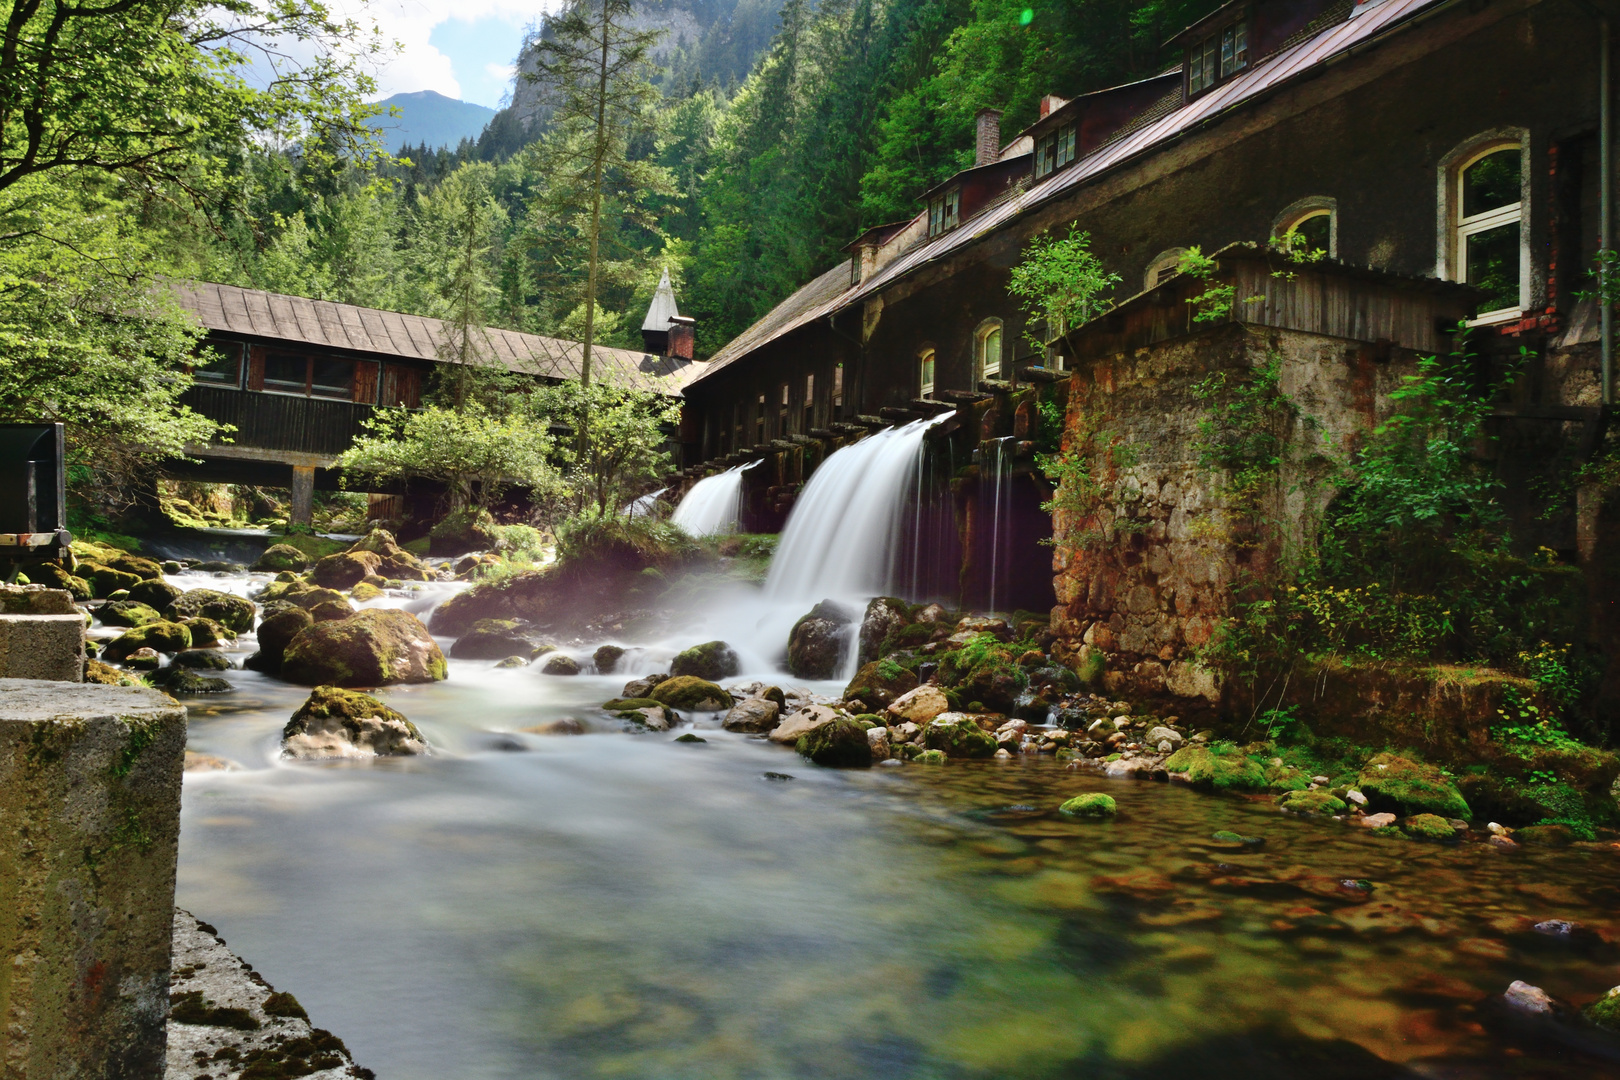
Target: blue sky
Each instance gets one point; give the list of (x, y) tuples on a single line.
[(460, 48)]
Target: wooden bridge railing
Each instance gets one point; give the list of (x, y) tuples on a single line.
[(281, 421)]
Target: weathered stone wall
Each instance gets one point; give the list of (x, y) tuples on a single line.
[(41, 634), (1145, 574), (89, 830)]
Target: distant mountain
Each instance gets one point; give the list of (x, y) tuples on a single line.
[(427, 117)]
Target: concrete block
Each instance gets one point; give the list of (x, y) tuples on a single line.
[(42, 647), (89, 831)]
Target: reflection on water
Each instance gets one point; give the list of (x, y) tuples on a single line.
[(617, 905)]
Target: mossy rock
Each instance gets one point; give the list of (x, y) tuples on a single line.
[(155, 594), (311, 597), (1605, 1011), (606, 658), (107, 675), (1284, 778), (281, 557), (104, 580), (1551, 835), (713, 660), (346, 569), (620, 704), (179, 680), (840, 743), (958, 735), (1403, 786), (557, 664), (930, 757), (375, 647), (379, 542), (1093, 804), (276, 632), (1219, 767), (1319, 802), (232, 612), (363, 592), (206, 633), (816, 643), (879, 683), (328, 610), (56, 576), (201, 660), (118, 559), (164, 637), (1428, 827), (127, 613), (688, 693), (334, 722), (491, 639), (462, 531)]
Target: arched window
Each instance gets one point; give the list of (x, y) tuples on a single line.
[(925, 373), (1310, 223), (987, 349), (1163, 267), (1484, 234)]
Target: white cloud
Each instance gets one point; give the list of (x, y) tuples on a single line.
[(420, 65)]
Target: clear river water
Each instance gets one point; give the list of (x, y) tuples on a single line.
[(621, 905)]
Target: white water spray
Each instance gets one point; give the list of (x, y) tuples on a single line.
[(644, 506), (713, 505)]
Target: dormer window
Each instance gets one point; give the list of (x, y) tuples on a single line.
[(1217, 57), (1054, 150), (944, 212)]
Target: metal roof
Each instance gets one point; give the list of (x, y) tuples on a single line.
[(662, 309), (298, 319), (1286, 64)]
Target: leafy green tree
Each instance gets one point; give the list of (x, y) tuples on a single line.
[(626, 446), (1062, 284)]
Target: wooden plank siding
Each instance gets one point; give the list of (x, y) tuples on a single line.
[(281, 421)]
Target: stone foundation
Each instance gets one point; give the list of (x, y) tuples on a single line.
[(41, 635), (89, 831)]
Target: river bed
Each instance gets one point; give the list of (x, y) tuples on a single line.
[(622, 905)]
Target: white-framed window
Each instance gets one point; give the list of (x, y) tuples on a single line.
[(944, 211), (1201, 66), (1054, 150), (1314, 224), (987, 349), (925, 373), (1217, 57), (1162, 267), (1234, 48), (1490, 229)]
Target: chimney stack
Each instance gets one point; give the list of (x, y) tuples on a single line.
[(681, 331), (987, 137)]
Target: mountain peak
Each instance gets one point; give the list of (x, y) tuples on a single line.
[(427, 116)]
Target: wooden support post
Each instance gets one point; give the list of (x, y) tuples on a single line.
[(303, 495)]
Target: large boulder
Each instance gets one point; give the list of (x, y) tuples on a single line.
[(816, 645), (232, 612), (880, 683), (462, 531), (374, 647), (155, 594), (206, 633), (689, 693), (105, 580), (491, 639), (754, 714), (713, 660), (1218, 767), (1400, 785), (985, 671), (276, 632), (606, 658), (801, 722), (959, 735), (56, 576), (127, 613), (278, 557), (919, 706), (380, 542), (842, 742), (346, 569), (885, 615), (337, 723), (164, 637)]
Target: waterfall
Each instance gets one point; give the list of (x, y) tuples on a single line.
[(643, 507), (713, 504), (997, 457), (842, 536)]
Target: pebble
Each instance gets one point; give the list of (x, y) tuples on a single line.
[(1356, 797), (1503, 842), (891, 763), (1378, 821), (1523, 997), (1321, 780)]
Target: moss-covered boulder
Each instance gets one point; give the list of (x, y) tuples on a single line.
[(328, 610), (885, 617), (1549, 835), (363, 592), (985, 670), (713, 660), (346, 569), (606, 658), (279, 557), (840, 743), (689, 693), (56, 576), (117, 559), (201, 660), (163, 637), (558, 664), (462, 531), (880, 683), (107, 675), (959, 735), (180, 680), (232, 612), (104, 580), (1093, 804), (206, 633), (338, 723), (379, 542), (157, 595), (816, 643), (1313, 803), (491, 639), (619, 704), (1605, 1011), (374, 647), (403, 566), (1428, 827), (1400, 785), (1217, 767), (127, 613), (276, 632)]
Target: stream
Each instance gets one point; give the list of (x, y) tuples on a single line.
[(622, 905)]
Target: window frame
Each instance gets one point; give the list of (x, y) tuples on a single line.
[(1217, 57), (1454, 229), (1301, 210), (981, 340), (927, 371), (1153, 275)]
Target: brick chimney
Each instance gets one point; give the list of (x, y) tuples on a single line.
[(987, 136), (681, 330), (1050, 104)]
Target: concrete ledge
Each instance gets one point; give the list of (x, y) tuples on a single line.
[(42, 647), (89, 829)]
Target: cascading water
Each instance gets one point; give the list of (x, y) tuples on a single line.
[(841, 538), (996, 458), (643, 507), (713, 505)]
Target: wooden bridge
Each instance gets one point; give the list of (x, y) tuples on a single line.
[(297, 378)]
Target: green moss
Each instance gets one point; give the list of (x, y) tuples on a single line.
[(930, 757), (958, 735), (1404, 786), (1428, 827), (1218, 767), (1226, 836), (839, 743), (879, 683), (1551, 835), (1605, 1011), (192, 1008), (713, 660), (1092, 804), (1312, 802), (619, 704), (690, 738), (165, 637), (283, 1004), (691, 693)]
